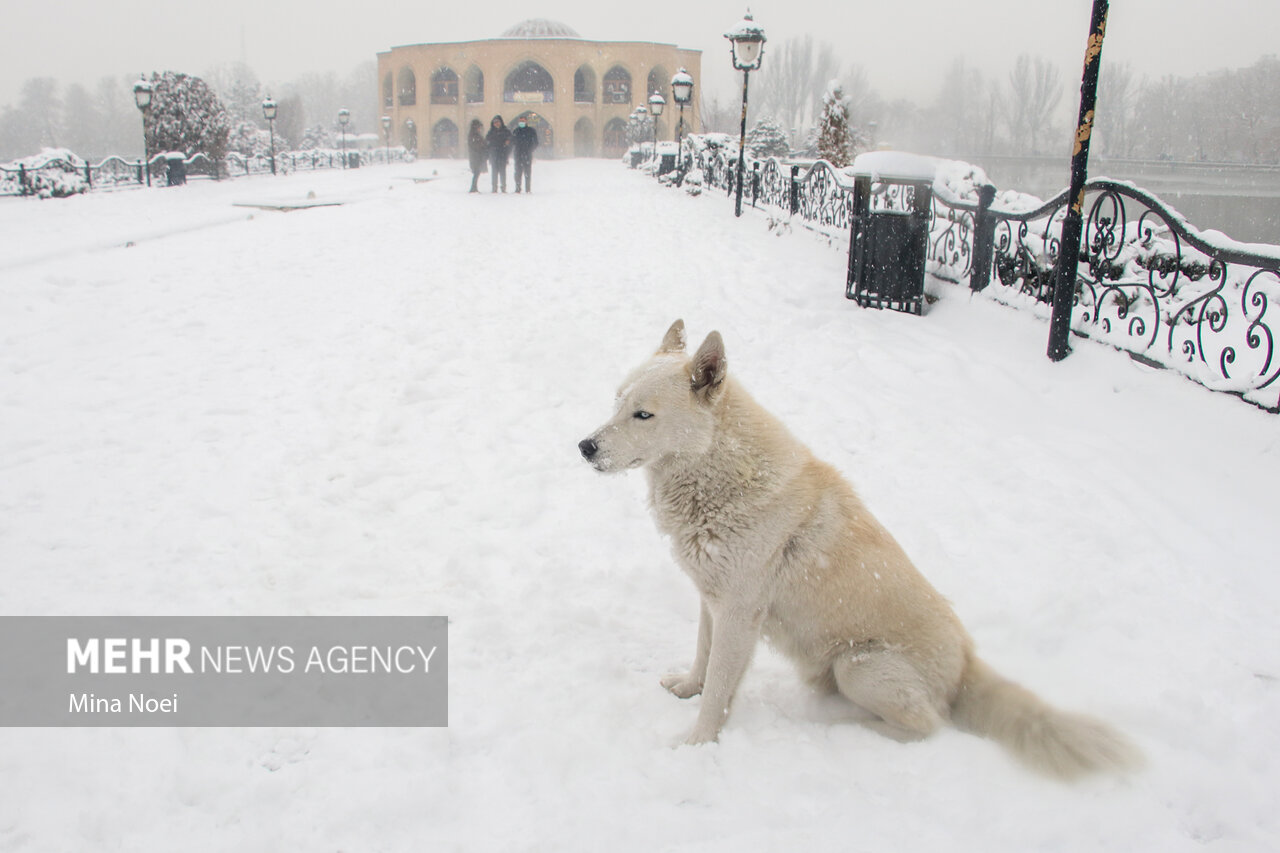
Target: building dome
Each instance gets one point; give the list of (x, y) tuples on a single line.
[(541, 28)]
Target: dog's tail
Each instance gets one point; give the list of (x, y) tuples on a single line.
[(1054, 742)]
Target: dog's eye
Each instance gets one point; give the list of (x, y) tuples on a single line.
[(642, 415)]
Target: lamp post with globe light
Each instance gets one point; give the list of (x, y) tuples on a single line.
[(657, 104), (269, 113), (746, 43), (142, 93), (344, 118), (682, 91)]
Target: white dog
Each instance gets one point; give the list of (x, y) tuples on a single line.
[(778, 543)]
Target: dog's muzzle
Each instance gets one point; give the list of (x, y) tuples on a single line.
[(589, 448)]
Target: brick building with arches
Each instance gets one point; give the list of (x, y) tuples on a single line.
[(578, 93)]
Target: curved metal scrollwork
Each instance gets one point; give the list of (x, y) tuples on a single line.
[(825, 201), (1149, 284), (950, 241)]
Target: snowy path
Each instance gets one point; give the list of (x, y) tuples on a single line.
[(373, 408)]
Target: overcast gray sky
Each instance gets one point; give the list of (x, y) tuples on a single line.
[(904, 44)]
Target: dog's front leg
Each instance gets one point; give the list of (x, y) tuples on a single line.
[(690, 683), (734, 633)]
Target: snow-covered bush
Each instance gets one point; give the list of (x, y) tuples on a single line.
[(53, 173), (249, 140)]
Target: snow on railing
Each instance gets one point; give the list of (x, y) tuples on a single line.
[(58, 173), (1149, 282)]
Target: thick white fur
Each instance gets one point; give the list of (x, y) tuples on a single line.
[(778, 544)]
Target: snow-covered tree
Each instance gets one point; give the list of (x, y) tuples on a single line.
[(639, 128), (185, 115), (767, 139), (835, 139), (248, 139), (238, 88), (316, 136)]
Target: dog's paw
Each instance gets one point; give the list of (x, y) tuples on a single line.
[(682, 684), (698, 737)]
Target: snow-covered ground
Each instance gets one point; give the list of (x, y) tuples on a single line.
[(373, 408)]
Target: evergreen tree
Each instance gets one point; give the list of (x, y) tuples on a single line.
[(835, 139), (767, 139), (185, 115), (317, 136), (639, 127)]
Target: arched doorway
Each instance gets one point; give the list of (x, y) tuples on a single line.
[(584, 143), (444, 139), (615, 138), (529, 83), (546, 138)]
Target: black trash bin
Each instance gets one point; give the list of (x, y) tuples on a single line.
[(666, 157), (889, 234), (176, 169), (353, 159)]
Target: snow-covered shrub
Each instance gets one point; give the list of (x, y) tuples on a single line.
[(53, 173)]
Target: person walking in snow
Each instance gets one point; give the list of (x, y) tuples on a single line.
[(477, 150), (498, 141), (525, 139)]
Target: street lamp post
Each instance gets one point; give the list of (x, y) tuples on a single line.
[(344, 118), (142, 93), (682, 91), (657, 104), (386, 133), (746, 43), (269, 113), (638, 115)]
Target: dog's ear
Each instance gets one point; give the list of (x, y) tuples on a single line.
[(709, 368), (674, 340)]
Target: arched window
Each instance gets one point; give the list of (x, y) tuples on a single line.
[(529, 83), (444, 87), (584, 85), (660, 82), (615, 138), (473, 85), (408, 85), (617, 86), (444, 139), (388, 91), (584, 143)]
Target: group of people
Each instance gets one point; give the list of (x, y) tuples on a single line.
[(493, 149)]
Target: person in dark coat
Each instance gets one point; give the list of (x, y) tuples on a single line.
[(525, 139), (478, 151), (498, 141)]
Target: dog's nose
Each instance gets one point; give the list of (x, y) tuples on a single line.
[(588, 448)]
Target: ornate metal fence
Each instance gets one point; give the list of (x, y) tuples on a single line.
[(1149, 283), (63, 174)]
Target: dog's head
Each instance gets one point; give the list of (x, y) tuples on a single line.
[(665, 408)]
